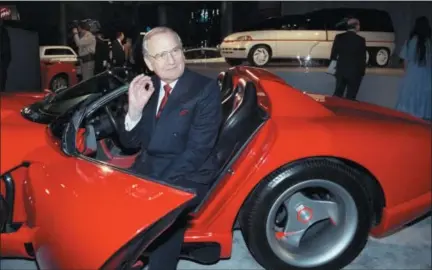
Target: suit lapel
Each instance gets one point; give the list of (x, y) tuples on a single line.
[(179, 93), (154, 100)]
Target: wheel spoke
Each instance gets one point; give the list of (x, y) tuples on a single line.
[(302, 214)]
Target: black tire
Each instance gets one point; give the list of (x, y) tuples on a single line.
[(233, 62), (368, 56), (254, 49), (254, 214), (53, 84)]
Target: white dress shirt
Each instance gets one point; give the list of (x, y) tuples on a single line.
[(129, 124)]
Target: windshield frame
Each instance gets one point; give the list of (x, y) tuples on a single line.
[(39, 111)]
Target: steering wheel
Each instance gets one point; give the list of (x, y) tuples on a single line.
[(111, 118)]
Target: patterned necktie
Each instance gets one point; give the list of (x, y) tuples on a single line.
[(167, 89)]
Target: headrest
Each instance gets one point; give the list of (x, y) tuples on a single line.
[(245, 95), (227, 87)]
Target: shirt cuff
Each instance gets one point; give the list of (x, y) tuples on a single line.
[(129, 124)]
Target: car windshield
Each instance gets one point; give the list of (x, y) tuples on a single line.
[(45, 111)]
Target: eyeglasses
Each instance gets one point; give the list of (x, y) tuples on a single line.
[(163, 56)]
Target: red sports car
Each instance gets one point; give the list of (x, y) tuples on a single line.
[(58, 75), (306, 178)]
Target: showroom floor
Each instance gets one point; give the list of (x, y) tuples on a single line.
[(407, 249)]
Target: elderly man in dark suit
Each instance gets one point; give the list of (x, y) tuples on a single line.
[(174, 117), (118, 52), (349, 50)]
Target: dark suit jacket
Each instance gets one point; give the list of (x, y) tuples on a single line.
[(180, 143), (349, 49), (118, 54), (101, 54)]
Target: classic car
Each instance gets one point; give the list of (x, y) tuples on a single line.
[(306, 178)]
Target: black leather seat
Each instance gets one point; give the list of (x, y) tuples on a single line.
[(227, 94), (243, 119), (227, 86), (242, 122)]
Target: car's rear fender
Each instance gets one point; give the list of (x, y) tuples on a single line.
[(282, 142), (385, 149)]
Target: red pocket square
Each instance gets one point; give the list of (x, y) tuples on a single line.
[(184, 112)]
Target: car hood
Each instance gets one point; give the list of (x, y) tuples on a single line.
[(85, 212), (362, 110), (12, 104)]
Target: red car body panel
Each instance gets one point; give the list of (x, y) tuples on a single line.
[(380, 141), (101, 193), (51, 69)]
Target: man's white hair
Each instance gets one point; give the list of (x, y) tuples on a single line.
[(155, 31)]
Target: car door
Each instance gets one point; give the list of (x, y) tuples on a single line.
[(115, 213), (91, 216)]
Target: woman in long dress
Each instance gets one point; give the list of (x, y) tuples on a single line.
[(416, 85)]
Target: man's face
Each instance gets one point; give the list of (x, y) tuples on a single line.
[(166, 57)]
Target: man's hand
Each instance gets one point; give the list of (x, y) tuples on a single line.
[(75, 31), (140, 91)]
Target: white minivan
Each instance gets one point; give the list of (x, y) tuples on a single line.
[(309, 36)]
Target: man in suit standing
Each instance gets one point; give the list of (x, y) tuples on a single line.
[(174, 117), (349, 50), (118, 53), (101, 54)]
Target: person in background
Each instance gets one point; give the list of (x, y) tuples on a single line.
[(139, 66), (101, 55), (349, 51), (5, 54), (118, 53), (415, 87), (128, 51), (86, 43)]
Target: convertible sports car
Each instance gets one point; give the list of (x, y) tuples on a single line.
[(306, 178)]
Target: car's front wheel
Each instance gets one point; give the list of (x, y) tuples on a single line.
[(59, 82), (313, 215), (260, 55)]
